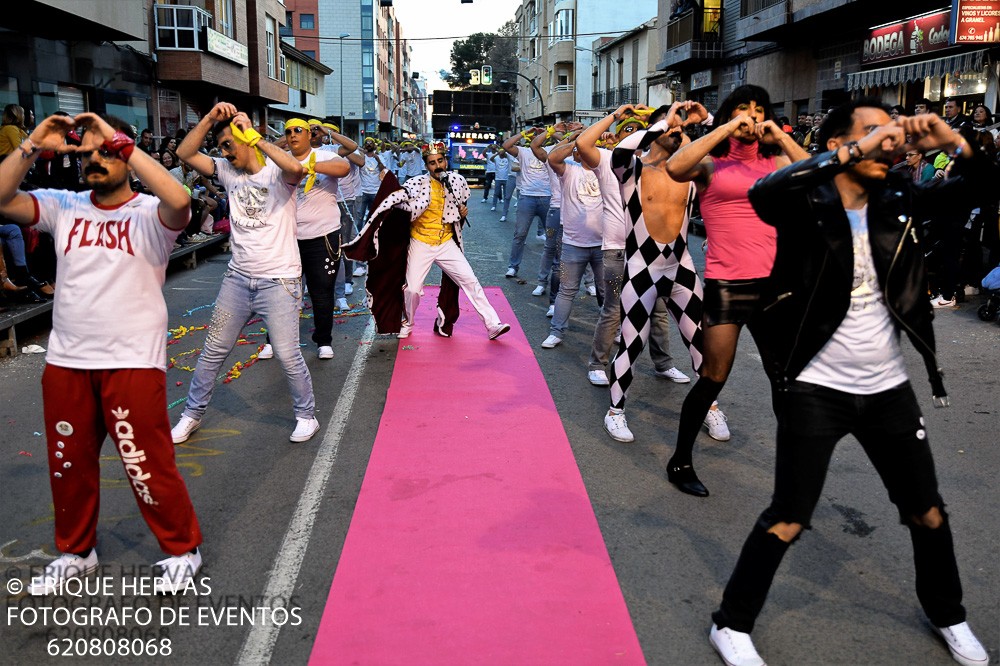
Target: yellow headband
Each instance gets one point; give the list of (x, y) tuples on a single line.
[(313, 121), (331, 126), (641, 124), (296, 122), (250, 137)]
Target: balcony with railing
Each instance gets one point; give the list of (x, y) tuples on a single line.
[(188, 49), (760, 16), (693, 39), (615, 97)]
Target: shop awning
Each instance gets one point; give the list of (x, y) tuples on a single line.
[(917, 71)]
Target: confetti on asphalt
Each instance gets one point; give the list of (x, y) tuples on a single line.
[(37, 434), (409, 347), (23, 453)]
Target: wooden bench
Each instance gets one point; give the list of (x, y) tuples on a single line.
[(19, 313), (11, 317), (191, 251)]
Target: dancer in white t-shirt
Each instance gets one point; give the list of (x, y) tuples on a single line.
[(265, 273), (102, 379)]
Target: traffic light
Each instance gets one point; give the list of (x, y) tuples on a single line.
[(473, 77), (487, 75)]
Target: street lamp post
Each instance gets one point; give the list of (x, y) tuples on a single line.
[(342, 36), (533, 85), (396, 106)]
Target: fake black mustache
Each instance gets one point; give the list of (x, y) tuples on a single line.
[(95, 168)]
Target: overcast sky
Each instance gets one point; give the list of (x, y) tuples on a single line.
[(446, 18)]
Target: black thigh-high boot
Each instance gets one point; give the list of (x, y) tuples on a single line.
[(680, 470), (939, 587), (751, 580)]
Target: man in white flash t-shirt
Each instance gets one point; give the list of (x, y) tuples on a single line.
[(105, 371), (265, 273)]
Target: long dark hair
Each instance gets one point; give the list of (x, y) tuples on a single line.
[(743, 95)]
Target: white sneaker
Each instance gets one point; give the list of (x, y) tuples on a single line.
[(617, 426), (404, 332), (304, 430), (674, 375), (735, 647), (715, 421), (360, 270), (618, 336), (498, 330), (592, 290), (598, 378), (341, 304), (266, 352), (325, 352), (965, 648), (940, 302), (63, 568), (511, 272), (551, 341), (175, 572), (538, 291), (540, 237), (493, 208), (184, 429), (503, 218), (348, 288), (551, 312)]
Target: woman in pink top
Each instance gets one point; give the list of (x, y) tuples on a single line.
[(745, 145)]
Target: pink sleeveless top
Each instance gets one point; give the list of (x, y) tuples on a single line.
[(740, 245)]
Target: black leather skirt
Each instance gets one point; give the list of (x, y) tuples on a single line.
[(732, 301)]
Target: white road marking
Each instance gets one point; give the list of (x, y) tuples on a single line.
[(281, 580)]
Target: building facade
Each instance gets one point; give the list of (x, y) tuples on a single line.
[(622, 68), (555, 53), (878, 48)]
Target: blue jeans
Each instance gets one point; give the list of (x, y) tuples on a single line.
[(509, 193), (365, 202), (498, 194), (12, 240), (572, 264), (348, 231), (275, 300), (529, 208), (611, 319), (548, 269)]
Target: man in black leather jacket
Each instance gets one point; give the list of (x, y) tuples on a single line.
[(848, 277)]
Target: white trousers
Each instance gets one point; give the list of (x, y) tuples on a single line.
[(453, 263)]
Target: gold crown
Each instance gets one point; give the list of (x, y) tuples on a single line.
[(433, 149)]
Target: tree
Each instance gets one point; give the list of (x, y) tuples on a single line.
[(503, 56), (469, 54)]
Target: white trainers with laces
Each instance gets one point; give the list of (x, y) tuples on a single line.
[(715, 421), (405, 331), (503, 218), (511, 272), (325, 352), (175, 572), (674, 375), (61, 569), (498, 330), (348, 288), (551, 312), (965, 648), (735, 647), (551, 341), (493, 208), (538, 291), (617, 426), (181, 432), (266, 352), (360, 270), (592, 290), (598, 378), (341, 304), (304, 430)]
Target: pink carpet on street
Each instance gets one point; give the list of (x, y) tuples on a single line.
[(473, 540)]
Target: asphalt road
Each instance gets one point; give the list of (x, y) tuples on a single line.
[(843, 596)]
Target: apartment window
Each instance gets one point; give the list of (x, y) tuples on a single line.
[(179, 27), (224, 17), (307, 21), (311, 54), (269, 41), (281, 68), (564, 24), (303, 98)]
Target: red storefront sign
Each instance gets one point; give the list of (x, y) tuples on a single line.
[(921, 34), (975, 21)]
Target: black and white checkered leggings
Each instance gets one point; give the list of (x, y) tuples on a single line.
[(654, 269)]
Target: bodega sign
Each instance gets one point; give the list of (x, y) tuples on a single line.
[(914, 36)]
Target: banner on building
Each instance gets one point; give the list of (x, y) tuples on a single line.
[(975, 21), (926, 33)]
